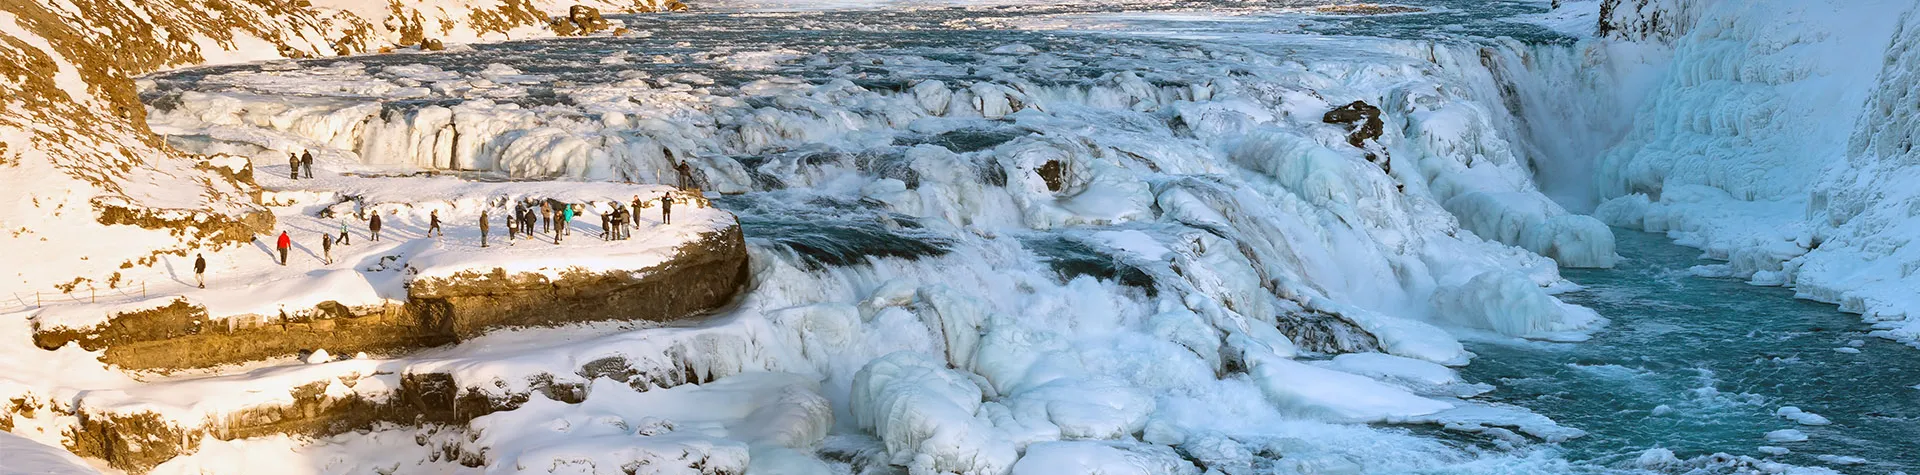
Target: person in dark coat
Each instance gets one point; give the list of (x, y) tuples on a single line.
[(666, 208), (306, 162), (326, 248), (433, 224), (284, 244), (556, 225), (483, 228), (373, 225), (513, 225), (293, 166), (200, 270), (606, 226)]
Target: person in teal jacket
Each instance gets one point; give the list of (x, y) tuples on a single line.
[(566, 218)]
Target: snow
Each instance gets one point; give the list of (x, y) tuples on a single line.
[(1804, 418), (1099, 457), (718, 426), (928, 416), (249, 281), (1787, 435), (985, 357), (1511, 304), (1336, 396), (25, 456), (1762, 143)]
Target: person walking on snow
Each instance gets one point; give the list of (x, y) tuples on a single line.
[(326, 248), (483, 228), (433, 224), (200, 270), (344, 237), (556, 226), (666, 208), (293, 166), (284, 244), (306, 162), (373, 225)]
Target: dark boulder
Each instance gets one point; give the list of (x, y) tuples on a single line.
[(1367, 116)]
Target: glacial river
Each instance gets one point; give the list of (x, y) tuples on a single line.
[(1701, 366)]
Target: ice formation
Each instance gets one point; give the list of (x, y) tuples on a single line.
[(1054, 254)]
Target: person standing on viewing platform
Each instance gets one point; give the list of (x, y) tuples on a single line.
[(606, 226), (483, 228), (293, 166), (513, 225), (306, 162), (546, 216), (666, 208)]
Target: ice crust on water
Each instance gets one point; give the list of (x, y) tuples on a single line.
[(1513, 305)]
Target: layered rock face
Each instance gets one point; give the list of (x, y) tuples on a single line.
[(703, 275)]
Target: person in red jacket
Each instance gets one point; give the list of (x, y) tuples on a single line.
[(284, 244)]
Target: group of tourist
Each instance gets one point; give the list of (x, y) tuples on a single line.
[(553, 217)]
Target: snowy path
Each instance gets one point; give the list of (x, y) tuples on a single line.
[(1702, 366)]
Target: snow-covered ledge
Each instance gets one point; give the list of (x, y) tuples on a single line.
[(408, 290)]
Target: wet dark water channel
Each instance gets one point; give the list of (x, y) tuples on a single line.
[(1700, 366)]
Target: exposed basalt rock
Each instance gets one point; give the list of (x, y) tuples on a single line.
[(703, 276), (1357, 112), (1368, 9), (1326, 333), (1366, 125), (581, 20), (1054, 174)]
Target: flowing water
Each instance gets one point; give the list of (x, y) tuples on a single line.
[(1700, 366)]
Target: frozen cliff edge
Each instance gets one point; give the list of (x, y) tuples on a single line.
[(1795, 166)]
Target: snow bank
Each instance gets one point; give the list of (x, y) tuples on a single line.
[(1513, 305), (1537, 224), (928, 416), (1335, 396)]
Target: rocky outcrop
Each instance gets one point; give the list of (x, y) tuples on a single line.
[(1648, 20), (581, 20), (1365, 124), (704, 275), (1357, 112)]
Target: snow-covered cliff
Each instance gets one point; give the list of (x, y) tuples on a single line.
[(1778, 138), (91, 191)]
